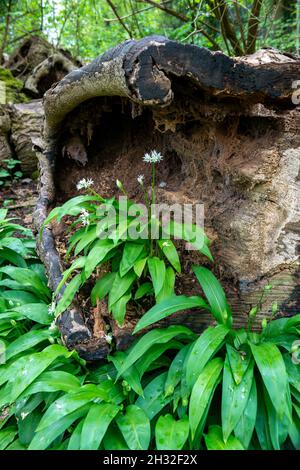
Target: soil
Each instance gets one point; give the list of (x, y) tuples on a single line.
[(20, 199)]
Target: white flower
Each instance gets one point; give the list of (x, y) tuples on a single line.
[(51, 308), (119, 184), (85, 217), (162, 184), (153, 157), (140, 179), (108, 338), (84, 183)]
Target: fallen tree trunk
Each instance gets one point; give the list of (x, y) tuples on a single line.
[(229, 133)]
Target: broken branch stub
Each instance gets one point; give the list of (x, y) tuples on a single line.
[(229, 133)]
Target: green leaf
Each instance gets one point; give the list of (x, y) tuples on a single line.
[(206, 346), (202, 392), (170, 252), (26, 369), (245, 426), (120, 287), (12, 257), (88, 237), (74, 400), (139, 266), (28, 279), (53, 381), (153, 400), (95, 425), (26, 341), (97, 255), (149, 339), (234, 397), (19, 297), (7, 436), (113, 439), (77, 264), (74, 442), (144, 289), (171, 434), (239, 362), (36, 312), (167, 307), (278, 426), (131, 253), (157, 269), (102, 287), (44, 438), (168, 286), (214, 440), (68, 208), (119, 309), (68, 294), (135, 427), (214, 294), (131, 375), (273, 372), (175, 370)]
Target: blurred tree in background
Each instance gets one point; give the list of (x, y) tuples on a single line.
[(89, 27)]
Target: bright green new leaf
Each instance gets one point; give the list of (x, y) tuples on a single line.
[(96, 424), (68, 294), (135, 427), (206, 346), (131, 253), (214, 294), (234, 397), (245, 426), (120, 287), (167, 307), (273, 372), (153, 400), (170, 252), (214, 440), (157, 269), (238, 361), (102, 287), (119, 309), (168, 286), (151, 338), (202, 391), (171, 434)]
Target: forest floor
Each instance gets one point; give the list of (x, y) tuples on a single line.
[(20, 199)]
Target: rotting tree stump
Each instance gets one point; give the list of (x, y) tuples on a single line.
[(229, 133)]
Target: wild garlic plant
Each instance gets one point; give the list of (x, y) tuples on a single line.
[(123, 248)]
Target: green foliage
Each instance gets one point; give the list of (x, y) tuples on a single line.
[(9, 171), (106, 235), (224, 389)]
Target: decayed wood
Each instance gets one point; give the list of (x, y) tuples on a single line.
[(233, 126)]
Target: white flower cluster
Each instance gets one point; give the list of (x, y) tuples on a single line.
[(140, 179), (84, 183), (85, 217), (51, 308), (153, 157)]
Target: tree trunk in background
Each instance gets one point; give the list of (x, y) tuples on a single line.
[(229, 133)]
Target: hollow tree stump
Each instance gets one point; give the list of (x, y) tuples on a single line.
[(229, 133)]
